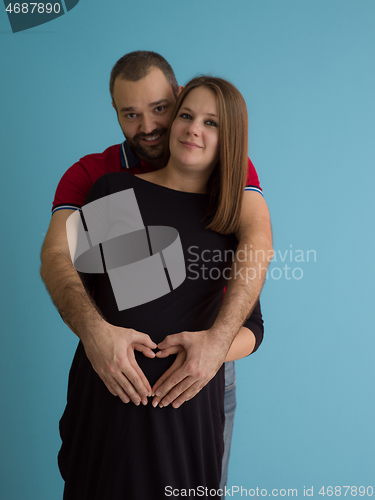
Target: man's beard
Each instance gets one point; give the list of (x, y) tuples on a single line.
[(151, 152)]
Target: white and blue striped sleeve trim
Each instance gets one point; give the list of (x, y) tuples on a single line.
[(254, 188), (65, 207)]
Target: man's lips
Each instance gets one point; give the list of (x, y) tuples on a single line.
[(191, 145), (152, 139)]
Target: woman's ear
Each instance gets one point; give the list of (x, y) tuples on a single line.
[(179, 90)]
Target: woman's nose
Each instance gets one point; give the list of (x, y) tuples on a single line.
[(193, 128)]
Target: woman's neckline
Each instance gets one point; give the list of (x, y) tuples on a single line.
[(174, 191)]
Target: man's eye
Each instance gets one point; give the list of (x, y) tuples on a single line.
[(160, 109), (131, 115)]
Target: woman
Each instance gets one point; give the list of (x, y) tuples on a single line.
[(111, 450)]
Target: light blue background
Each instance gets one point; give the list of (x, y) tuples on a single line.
[(306, 68)]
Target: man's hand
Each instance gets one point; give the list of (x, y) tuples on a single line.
[(207, 350), (112, 356), (110, 349), (199, 357)]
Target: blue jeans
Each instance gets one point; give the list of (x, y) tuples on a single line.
[(229, 409)]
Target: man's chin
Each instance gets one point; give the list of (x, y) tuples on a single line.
[(148, 153)]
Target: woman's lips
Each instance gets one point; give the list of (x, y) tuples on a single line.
[(192, 145)]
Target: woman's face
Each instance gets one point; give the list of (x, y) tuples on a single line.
[(194, 139)]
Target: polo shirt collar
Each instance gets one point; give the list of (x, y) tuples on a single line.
[(128, 157)]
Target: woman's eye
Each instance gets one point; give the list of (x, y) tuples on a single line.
[(212, 123), (185, 116)]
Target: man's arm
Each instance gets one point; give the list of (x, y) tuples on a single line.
[(110, 349), (242, 346), (207, 350)]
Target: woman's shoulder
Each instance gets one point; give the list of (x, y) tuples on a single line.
[(110, 183), (119, 181)]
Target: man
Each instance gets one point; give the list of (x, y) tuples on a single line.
[(144, 89)]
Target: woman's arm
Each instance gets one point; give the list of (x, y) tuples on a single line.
[(242, 345), (249, 336)]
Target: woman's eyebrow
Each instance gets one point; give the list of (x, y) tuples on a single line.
[(190, 111)]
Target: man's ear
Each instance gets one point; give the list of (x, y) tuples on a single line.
[(114, 106), (179, 90)]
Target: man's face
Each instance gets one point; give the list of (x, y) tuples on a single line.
[(144, 110)]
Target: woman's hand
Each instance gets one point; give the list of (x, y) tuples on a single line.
[(179, 361)]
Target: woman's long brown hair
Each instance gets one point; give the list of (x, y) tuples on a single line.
[(227, 182)]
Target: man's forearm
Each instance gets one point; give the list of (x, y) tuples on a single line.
[(110, 349), (107, 346), (244, 286), (249, 268), (207, 350), (68, 293)]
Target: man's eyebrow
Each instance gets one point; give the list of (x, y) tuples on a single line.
[(158, 103), (132, 109), (190, 111)]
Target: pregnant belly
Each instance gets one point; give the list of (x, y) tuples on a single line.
[(153, 368)]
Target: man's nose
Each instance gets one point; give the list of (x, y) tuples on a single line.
[(147, 124)]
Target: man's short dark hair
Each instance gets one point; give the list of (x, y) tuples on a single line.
[(136, 65)]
